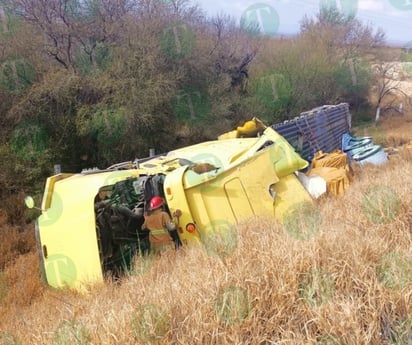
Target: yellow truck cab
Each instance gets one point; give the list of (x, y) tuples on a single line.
[(91, 221)]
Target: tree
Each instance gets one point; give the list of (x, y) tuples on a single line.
[(233, 49), (72, 27), (348, 45), (384, 84), (341, 34)]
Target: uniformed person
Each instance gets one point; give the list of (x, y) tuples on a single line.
[(163, 234)]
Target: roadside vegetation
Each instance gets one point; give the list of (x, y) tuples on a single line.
[(90, 86), (348, 283), (96, 83)]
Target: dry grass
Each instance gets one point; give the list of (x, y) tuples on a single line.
[(15, 240), (393, 131), (274, 289)]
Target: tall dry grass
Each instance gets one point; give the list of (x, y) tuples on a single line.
[(338, 287)]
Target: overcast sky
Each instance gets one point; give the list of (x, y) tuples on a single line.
[(283, 16)]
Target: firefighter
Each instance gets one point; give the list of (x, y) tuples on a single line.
[(161, 227)]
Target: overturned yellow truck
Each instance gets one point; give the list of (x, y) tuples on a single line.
[(90, 225)]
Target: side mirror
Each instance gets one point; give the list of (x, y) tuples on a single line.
[(29, 201)]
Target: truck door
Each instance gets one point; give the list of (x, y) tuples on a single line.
[(238, 199)]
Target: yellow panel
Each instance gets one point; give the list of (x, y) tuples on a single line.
[(209, 199), (177, 200), (67, 230), (289, 192), (238, 199)]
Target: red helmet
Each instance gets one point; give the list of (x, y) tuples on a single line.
[(156, 202)]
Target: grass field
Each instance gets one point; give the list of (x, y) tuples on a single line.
[(349, 283)]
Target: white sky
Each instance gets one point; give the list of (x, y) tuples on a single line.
[(393, 16)]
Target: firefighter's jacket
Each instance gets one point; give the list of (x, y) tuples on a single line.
[(156, 222)]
